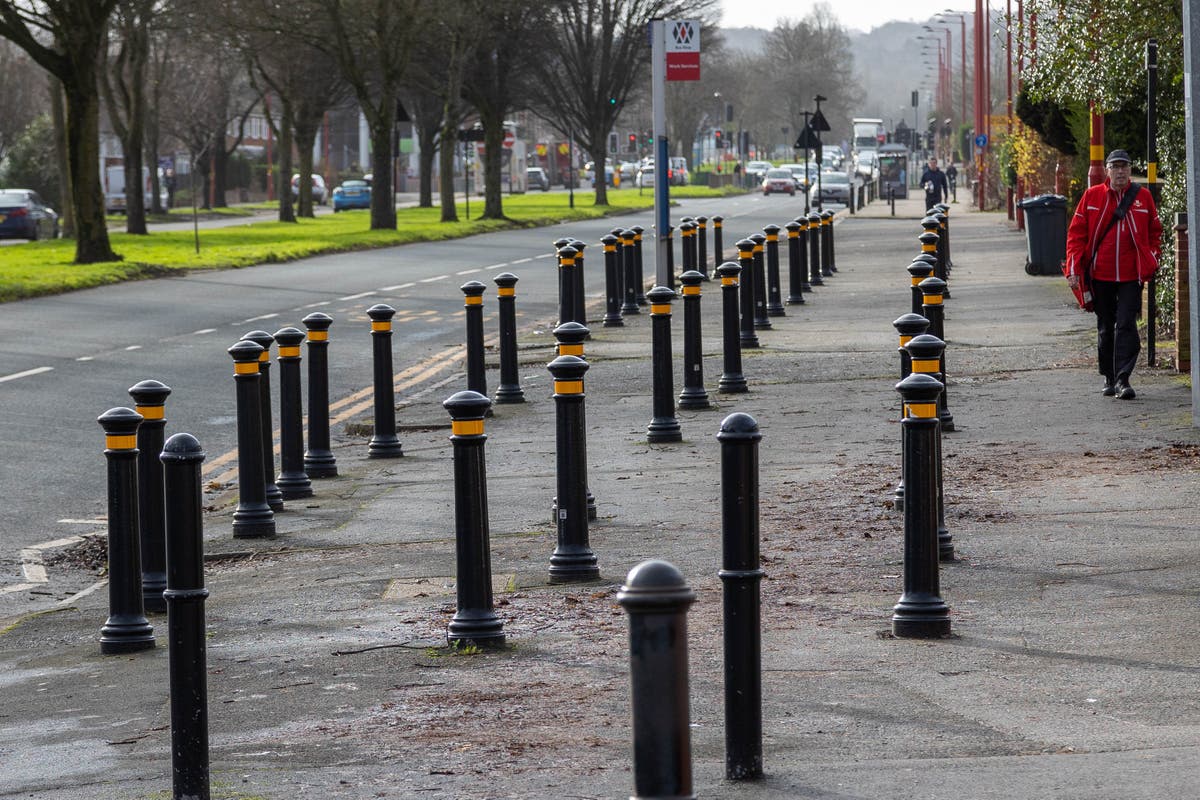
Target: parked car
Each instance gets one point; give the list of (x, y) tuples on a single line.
[(645, 177), (319, 191), (866, 164), (23, 215), (802, 176), (352, 194), (779, 181), (536, 178), (834, 187), (757, 169), (677, 171)]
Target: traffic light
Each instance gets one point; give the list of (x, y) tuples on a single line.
[(612, 142), (719, 139), (649, 139), (633, 143)]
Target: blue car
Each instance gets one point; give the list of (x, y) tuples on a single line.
[(23, 215), (352, 194)]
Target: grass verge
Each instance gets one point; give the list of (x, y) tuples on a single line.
[(41, 268)]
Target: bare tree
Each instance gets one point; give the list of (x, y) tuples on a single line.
[(124, 88), (597, 52), (425, 108), (66, 37), (21, 96)]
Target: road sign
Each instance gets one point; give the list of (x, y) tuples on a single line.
[(819, 123), (807, 139), (683, 50), (981, 140)]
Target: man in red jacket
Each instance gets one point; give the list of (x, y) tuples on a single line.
[(1114, 239)]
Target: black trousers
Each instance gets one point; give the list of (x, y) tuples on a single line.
[(1117, 344)]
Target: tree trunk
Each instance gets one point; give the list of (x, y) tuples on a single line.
[(220, 170), (67, 218), (83, 159), (306, 136), (599, 161), (446, 172), (428, 139), (493, 152), (383, 195), (283, 176)]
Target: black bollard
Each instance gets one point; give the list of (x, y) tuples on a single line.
[(802, 252), (150, 398), (935, 312), (319, 461), (473, 306), (774, 291), (732, 380), (687, 241), (573, 559), (827, 243), (907, 326), (929, 243), (127, 630), (892, 198), (758, 265), (664, 427), (943, 267), (702, 246), (693, 395), (566, 286), (475, 620), (293, 481), (265, 340), (814, 249), (510, 390), (384, 442), (570, 337), (925, 354), (796, 267), (944, 210), (748, 337), (921, 612), (630, 254), (832, 242), (186, 633), (918, 271), (612, 282), (718, 241), (741, 574), (579, 314), (656, 597), (253, 517), (640, 283)]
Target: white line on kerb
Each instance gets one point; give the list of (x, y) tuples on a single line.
[(25, 374)]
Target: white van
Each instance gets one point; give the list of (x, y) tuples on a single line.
[(677, 171)]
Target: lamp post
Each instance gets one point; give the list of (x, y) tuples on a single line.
[(716, 123), (819, 124)]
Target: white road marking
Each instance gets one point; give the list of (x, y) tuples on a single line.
[(469, 271), (397, 287), (86, 358), (497, 266), (203, 331), (134, 347), (25, 374), (522, 260), (255, 319), (545, 255), (435, 278), (356, 296), (315, 305)]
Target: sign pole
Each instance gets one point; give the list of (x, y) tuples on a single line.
[(662, 210)]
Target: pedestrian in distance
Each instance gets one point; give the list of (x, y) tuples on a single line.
[(933, 180), (1112, 250), (952, 177)]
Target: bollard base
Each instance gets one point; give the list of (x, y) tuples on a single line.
[(945, 546), (294, 485), (693, 398), (806, 287), (664, 429), (776, 310), (573, 565), (898, 498), (480, 627), (275, 498), (614, 322), (925, 617), (320, 464), (796, 299), (816, 281), (153, 586), (732, 384), (763, 324), (384, 447), (947, 420), (253, 522), (749, 341), (126, 633), (509, 394)]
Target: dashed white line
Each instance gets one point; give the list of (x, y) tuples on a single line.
[(434, 278), (316, 305), (397, 287), (522, 260), (469, 271), (203, 331), (25, 374), (545, 255), (356, 296), (134, 347), (86, 358), (497, 266), (255, 319)]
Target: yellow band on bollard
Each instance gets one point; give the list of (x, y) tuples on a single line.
[(1152, 172), (921, 410), (470, 427), (772, 237), (570, 350), (318, 336), (637, 237), (746, 253), (120, 442), (292, 351), (703, 225), (933, 300), (264, 357), (916, 280), (687, 232), (758, 248), (566, 262), (248, 368), (1097, 151), (794, 234), (925, 365), (905, 340), (151, 412), (716, 224), (663, 308), (568, 387), (827, 221), (477, 300), (506, 291), (729, 281), (610, 248), (928, 248), (381, 326), (687, 290)]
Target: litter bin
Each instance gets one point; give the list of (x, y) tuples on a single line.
[(1045, 233)]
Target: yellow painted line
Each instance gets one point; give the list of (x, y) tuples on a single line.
[(905, 340), (506, 291), (318, 336), (729, 281), (1152, 172)]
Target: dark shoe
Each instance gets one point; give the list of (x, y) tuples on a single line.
[(1108, 390), (1124, 391)]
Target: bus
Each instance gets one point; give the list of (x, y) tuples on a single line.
[(869, 134), (893, 170)]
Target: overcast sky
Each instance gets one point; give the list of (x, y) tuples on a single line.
[(856, 14)]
